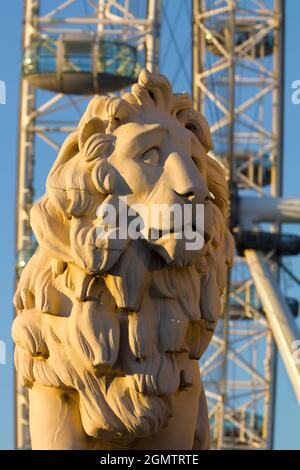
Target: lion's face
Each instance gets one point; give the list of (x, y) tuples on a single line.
[(154, 155), (159, 162)]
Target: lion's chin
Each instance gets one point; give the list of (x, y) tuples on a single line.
[(178, 253)]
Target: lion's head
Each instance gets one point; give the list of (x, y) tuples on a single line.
[(120, 320)]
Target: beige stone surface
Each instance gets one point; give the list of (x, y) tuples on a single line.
[(109, 330)]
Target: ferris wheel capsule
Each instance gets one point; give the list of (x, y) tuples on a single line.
[(80, 64)]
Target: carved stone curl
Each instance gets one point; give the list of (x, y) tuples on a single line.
[(109, 329)]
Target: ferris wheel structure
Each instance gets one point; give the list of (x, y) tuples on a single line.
[(229, 55)]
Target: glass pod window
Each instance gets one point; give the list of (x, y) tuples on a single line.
[(77, 56), (40, 57), (116, 58)]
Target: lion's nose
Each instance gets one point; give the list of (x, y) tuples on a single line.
[(185, 180)]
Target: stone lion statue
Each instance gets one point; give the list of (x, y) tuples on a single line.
[(109, 330)]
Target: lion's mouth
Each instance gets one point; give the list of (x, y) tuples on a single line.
[(158, 234), (178, 250)]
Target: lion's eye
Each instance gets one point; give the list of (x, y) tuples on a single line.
[(151, 157)]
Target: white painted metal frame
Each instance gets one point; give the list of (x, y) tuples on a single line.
[(239, 369), (280, 317)]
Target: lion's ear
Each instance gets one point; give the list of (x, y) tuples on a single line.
[(89, 128), (94, 144), (95, 108), (67, 151)]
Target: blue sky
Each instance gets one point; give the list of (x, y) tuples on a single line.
[(287, 410)]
